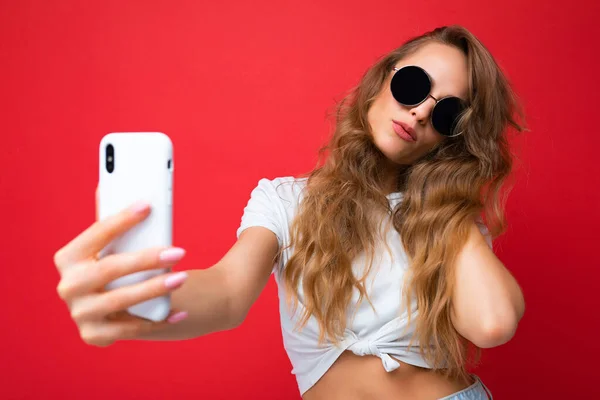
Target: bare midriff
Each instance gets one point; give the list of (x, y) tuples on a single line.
[(354, 377)]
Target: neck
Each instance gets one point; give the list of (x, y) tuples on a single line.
[(394, 180)]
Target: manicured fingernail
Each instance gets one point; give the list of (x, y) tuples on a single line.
[(176, 279), (172, 254), (140, 207), (177, 317)]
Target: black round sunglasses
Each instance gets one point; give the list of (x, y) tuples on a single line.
[(411, 86)]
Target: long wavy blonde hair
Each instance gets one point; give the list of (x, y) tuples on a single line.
[(455, 182)]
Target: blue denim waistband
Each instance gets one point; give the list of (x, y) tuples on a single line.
[(477, 391)]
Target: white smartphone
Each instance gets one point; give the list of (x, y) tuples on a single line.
[(138, 166)]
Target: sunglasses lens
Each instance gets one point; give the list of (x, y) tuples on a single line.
[(410, 85), (445, 115)]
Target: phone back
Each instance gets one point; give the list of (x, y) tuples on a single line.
[(138, 166)]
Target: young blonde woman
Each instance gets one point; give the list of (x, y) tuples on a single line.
[(385, 269)]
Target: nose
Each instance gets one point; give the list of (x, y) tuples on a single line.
[(423, 110)]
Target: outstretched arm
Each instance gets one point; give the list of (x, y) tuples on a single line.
[(218, 298)]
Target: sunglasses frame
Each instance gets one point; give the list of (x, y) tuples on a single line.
[(396, 69)]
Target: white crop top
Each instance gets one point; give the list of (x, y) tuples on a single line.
[(384, 333)]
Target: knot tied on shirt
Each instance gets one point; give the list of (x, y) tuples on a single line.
[(369, 347)]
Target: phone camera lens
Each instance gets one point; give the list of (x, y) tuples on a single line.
[(110, 158), (169, 164)]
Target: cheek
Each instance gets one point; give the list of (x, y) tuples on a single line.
[(382, 108), (376, 115), (430, 140), (389, 104)]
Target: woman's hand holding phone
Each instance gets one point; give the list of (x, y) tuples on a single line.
[(101, 315)]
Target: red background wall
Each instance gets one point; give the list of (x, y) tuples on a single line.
[(243, 88)]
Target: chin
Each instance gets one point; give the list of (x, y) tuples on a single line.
[(396, 151)]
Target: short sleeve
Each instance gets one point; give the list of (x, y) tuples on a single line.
[(484, 231), (263, 209)]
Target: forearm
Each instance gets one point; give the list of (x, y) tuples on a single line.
[(205, 297), (487, 300)]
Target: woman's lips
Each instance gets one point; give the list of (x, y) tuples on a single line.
[(400, 131)]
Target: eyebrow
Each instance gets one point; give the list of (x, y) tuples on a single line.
[(433, 84)]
